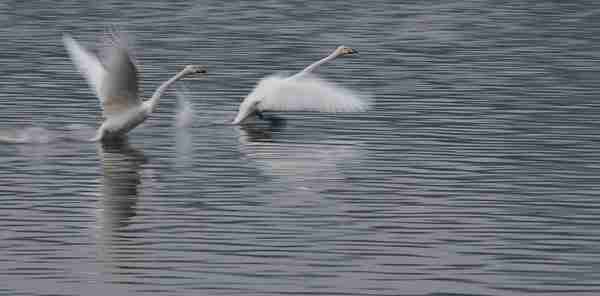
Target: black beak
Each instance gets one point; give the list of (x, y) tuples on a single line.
[(354, 51)]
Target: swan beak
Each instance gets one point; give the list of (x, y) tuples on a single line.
[(198, 74), (353, 51)]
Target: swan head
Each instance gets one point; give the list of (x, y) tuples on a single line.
[(194, 69), (345, 50)]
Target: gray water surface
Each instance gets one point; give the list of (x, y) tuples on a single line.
[(476, 172)]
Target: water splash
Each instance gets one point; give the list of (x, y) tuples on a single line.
[(79, 132), (201, 112), (185, 110), (32, 135), (39, 135)]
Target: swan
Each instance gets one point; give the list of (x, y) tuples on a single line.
[(303, 91), (114, 80)]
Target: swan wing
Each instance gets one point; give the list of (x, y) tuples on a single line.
[(119, 90), (87, 63), (307, 93), (185, 111), (114, 82)]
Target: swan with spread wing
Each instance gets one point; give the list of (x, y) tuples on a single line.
[(114, 80), (303, 91)]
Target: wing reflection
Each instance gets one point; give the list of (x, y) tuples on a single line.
[(184, 146), (299, 169)]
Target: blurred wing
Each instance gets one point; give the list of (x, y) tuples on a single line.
[(87, 63), (307, 93), (119, 90), (185, 113)]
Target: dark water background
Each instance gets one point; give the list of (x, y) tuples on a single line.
[(477, 172)]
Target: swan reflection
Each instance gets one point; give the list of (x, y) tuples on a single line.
[(262, 131), (302, 170), (121, 165)]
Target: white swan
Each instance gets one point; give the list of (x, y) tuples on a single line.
[(115, 82), (301, 92)]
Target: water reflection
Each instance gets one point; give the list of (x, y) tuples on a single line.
[(303, 171), (184, 146), (476, 172), (121, 165), (262, 130)]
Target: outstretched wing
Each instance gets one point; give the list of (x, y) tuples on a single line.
[(307, 93), (185, 112), (87, 63), (114, 82), (119, 90)]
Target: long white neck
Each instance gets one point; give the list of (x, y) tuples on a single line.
[(312, 67), (152, 103)]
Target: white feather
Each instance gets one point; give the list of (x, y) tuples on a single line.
[(119, 89), (303, 91), (306, 93), (116, 84), (87, 63)]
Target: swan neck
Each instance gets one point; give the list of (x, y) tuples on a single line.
[(312, 67), (153, 102)]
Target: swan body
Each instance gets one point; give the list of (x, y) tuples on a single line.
[(115, 83), (122, 123), (303, 91)]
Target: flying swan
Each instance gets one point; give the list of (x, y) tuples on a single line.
[(303, 91), (114, 80)]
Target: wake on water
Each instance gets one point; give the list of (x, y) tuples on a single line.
[(185, 117), (40, 135)]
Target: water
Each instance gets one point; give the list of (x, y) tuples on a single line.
[(476, 172)]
